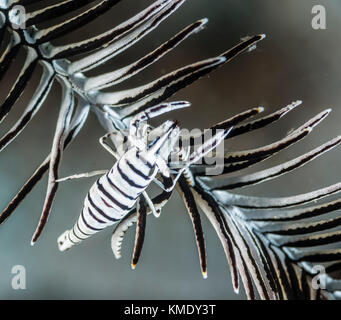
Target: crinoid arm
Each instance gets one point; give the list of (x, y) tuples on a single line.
[(275, 247), (283, 244), (113, 108)]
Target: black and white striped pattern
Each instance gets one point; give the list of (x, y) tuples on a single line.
[(111, 197), (33, 39), (115, 194)]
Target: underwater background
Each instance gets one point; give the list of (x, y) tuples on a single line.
[(293, 62)]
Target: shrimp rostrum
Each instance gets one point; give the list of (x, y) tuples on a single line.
[(148, 155)]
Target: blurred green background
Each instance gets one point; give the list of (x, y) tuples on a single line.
[(293, 62)]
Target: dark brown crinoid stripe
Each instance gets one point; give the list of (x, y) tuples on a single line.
[(270, 243)]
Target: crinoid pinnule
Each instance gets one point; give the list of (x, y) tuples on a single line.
[(272, 244), (81, 93)]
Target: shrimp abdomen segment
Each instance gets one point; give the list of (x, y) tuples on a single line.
[(110, 198)]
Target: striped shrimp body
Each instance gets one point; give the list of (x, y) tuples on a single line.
[(111, 197), (118, 190)]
